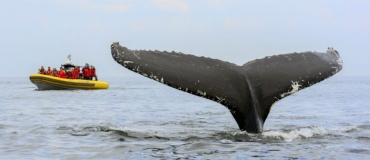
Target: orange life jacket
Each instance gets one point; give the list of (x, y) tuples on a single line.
[(92, 72), (86, 72), (76, 73), (62, 74)]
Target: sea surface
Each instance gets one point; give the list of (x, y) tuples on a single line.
[(138, 118)]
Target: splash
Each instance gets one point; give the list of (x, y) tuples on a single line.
[(296, 134)]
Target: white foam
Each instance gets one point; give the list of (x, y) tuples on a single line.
[(346, 129), (226, 141), (296, 134)]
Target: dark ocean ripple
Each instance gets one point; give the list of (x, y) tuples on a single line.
[(137, 118)]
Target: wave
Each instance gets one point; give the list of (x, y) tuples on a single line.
[(296, 134), (84, 131), (227, 137), (346, 129), (306, 132), (138, 130)]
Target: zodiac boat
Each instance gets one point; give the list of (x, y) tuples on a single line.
[(46, 82)]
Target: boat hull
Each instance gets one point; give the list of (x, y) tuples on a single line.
[(45, 82)]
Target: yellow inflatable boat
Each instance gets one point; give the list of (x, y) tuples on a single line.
[(45, 82)]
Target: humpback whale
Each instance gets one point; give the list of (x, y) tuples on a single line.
[(248, 91)]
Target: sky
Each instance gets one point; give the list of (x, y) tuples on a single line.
[(44, 32)]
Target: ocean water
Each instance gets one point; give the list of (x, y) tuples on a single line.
[(137, 118)]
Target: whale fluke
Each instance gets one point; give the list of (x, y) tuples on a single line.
[(248, 91)]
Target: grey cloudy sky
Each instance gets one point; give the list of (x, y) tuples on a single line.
[(44, 32)]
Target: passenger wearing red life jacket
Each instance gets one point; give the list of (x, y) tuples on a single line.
[(62, 73), (42, 70), (86, 72), (76, 72), (80, 75), (49, 72), (69, 74), (93, 73)]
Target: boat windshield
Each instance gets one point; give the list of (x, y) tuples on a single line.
[(68, 66)]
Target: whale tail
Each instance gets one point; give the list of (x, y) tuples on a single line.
[(248, 91)]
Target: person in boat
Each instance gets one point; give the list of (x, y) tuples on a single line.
[(42, 70), (80, 75), (62, 73), (86, 72), (93, 73), (49, 72), (69, 74), (72, 73), (55, 72), (76, 72)]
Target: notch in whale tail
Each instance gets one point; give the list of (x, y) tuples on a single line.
[(248, 91)]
